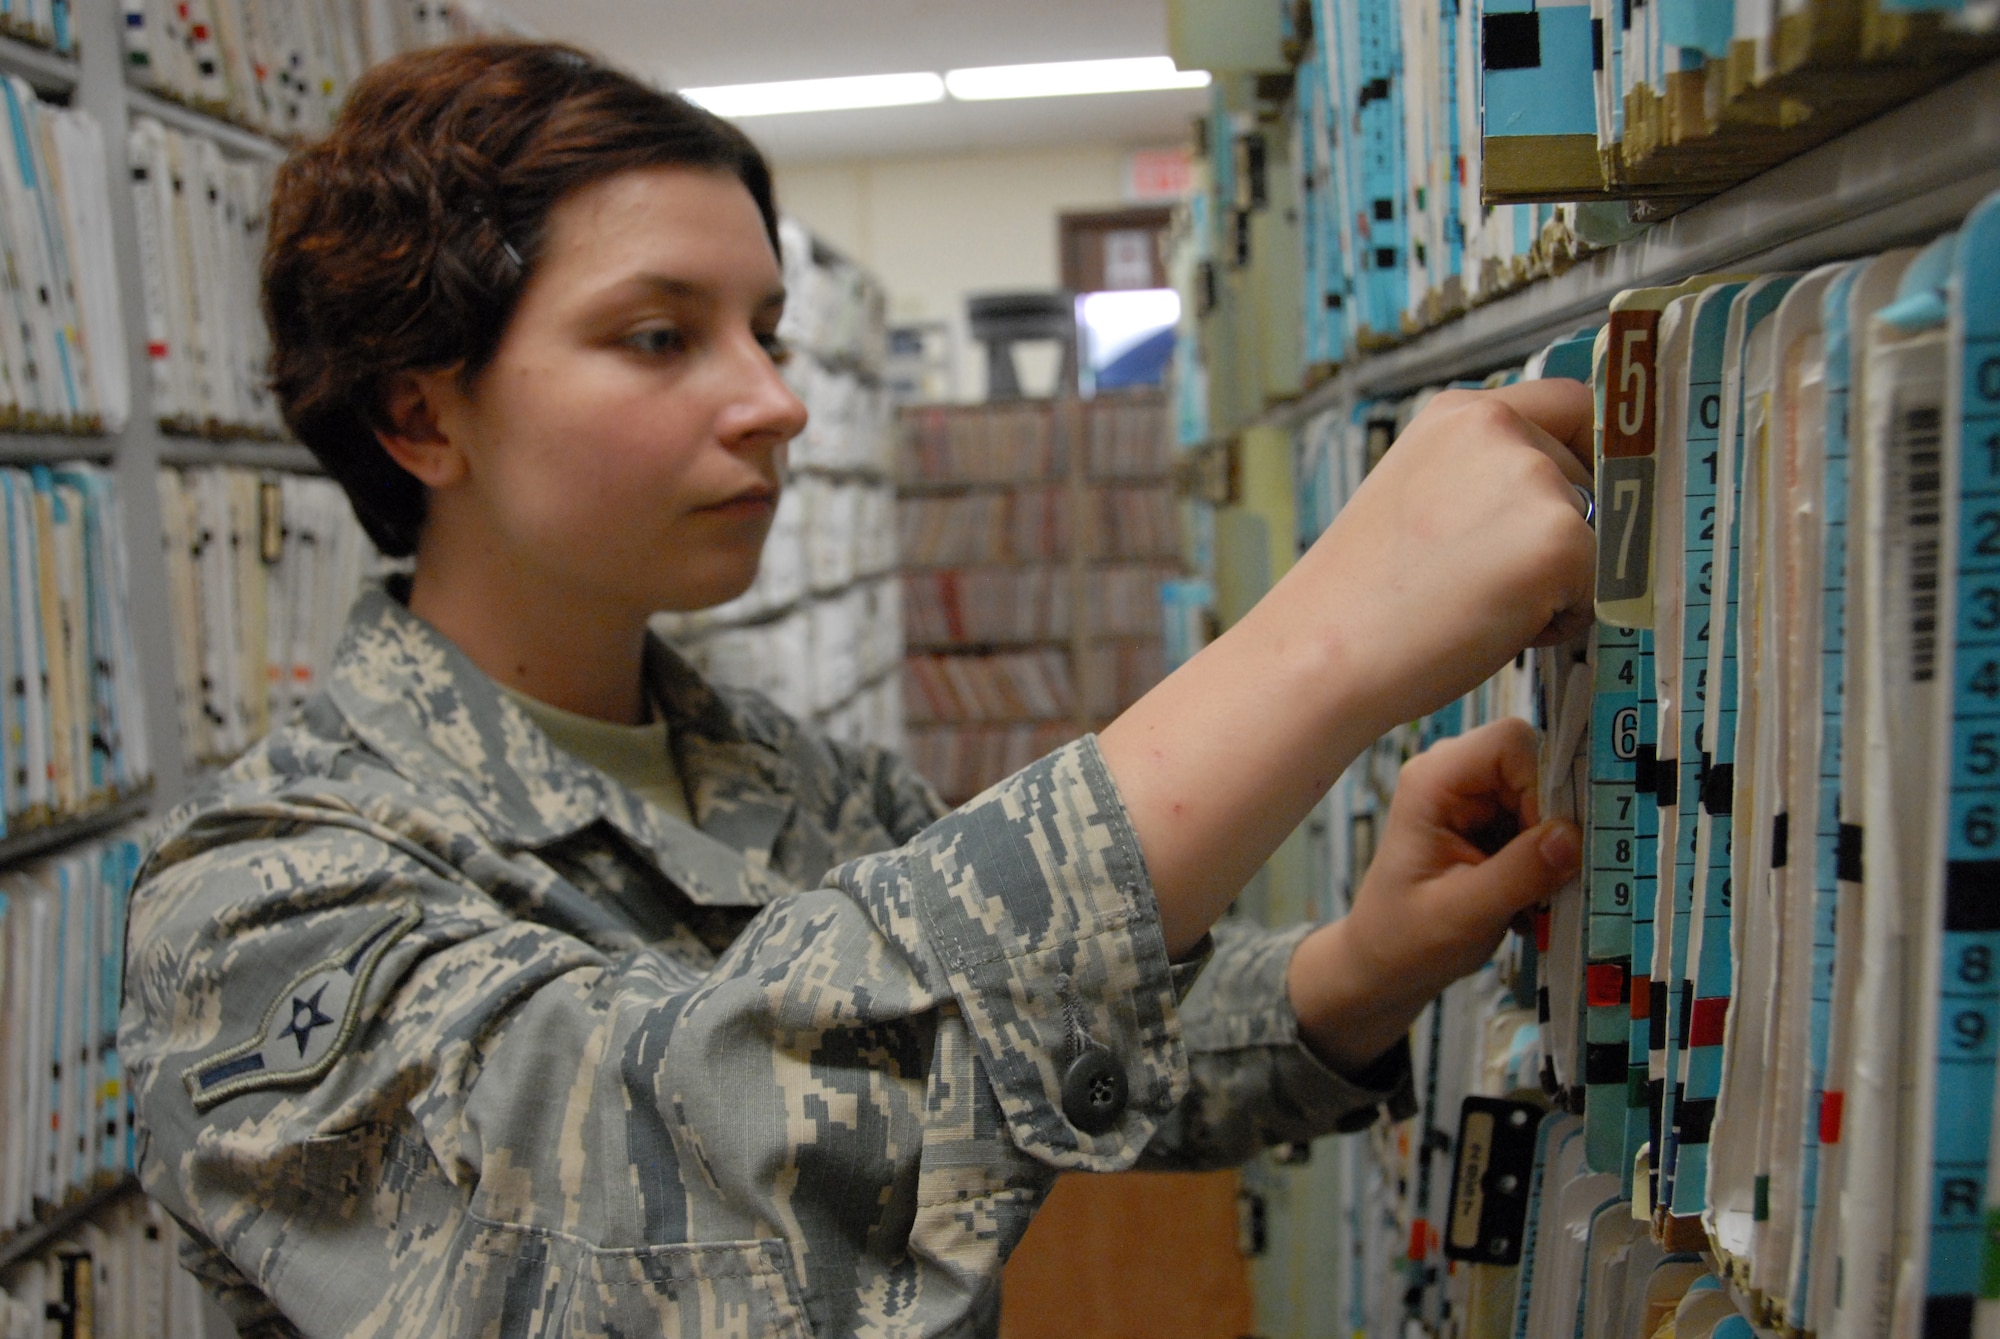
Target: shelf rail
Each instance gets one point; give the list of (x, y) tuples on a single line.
[(229, 136), (59, 1222), (1904, 177), (27, 844), (48, 72)]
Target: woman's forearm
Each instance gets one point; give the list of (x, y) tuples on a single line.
[(1221, 761), (1462, 547)]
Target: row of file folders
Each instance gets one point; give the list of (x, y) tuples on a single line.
[(261, 568), (115, 1275), (1031, 685), (62, 325), (1124, 436), (977, 606), (68, 1124), (1426, 139), (1768, 1018), (1034, 523), (66, 1121), (281, 67), (72, 713), (63, 331)]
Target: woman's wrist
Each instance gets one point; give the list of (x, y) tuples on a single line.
[(1350, 1011)]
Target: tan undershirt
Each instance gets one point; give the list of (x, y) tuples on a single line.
[(639, 757)]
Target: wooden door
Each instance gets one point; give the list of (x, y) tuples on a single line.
[(1113, 249), (1135, 1255)]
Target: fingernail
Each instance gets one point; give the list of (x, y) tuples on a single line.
[(1562, 845)]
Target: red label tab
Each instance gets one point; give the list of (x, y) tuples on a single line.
[(1832, 1106), (1419, 1234), (1705, 1027), (1604, 985), (1642, 996)]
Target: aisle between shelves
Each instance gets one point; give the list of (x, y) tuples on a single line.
[(1744, 1074)]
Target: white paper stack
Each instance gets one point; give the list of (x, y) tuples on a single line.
[(62, 334), (72, 719), (68, 1121), (262, 567), (201, 234)]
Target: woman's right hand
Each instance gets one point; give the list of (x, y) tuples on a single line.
[(1465, 545)]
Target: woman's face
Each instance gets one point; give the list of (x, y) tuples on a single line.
[(626, 443)]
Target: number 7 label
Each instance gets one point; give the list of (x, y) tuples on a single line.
[(1624, 532)]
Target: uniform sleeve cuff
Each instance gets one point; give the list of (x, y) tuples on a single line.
[(1249, 1006), (1037, 916)]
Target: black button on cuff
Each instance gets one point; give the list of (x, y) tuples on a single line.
[(1094, 1091)]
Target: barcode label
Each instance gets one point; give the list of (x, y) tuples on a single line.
[(1919, 429)]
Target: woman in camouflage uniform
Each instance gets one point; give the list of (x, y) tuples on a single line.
[(436, 1027)]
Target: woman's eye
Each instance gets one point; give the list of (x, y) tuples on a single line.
[(659, 341)]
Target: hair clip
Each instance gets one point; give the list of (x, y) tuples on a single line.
[(479, 212)]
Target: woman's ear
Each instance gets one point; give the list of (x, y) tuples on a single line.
[(413, 428)]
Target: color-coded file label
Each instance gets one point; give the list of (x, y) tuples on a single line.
[(1969, 976)]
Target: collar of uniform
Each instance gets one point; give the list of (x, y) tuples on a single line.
[(417, 701)]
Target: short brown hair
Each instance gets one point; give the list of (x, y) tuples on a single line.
[(401, 241)]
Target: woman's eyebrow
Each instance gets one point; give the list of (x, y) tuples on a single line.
[(664, 285), (673, 286)]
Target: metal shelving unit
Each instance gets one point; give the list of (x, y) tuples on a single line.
[(1902, 178), (1893, 180), (96, 83), (27, 448), (250, 454)]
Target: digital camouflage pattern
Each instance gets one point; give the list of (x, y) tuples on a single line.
[(435, 1030)]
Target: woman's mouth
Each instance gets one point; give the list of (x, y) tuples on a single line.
[(749, 502)]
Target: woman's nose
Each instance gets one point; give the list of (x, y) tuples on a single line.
[(764, 408)]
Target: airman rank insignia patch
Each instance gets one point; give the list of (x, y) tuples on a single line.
[(307, 1026)]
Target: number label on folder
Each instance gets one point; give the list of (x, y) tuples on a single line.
[(1625, 474), (1491, 1179)]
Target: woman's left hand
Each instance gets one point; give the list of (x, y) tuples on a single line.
[(1438, 896)]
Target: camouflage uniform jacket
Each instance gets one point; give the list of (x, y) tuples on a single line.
[(434, 1030)]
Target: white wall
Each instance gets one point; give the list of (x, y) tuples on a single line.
[(937, 229)]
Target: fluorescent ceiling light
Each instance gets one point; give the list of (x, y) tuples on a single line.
[(1069, 78), (819, 95)]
